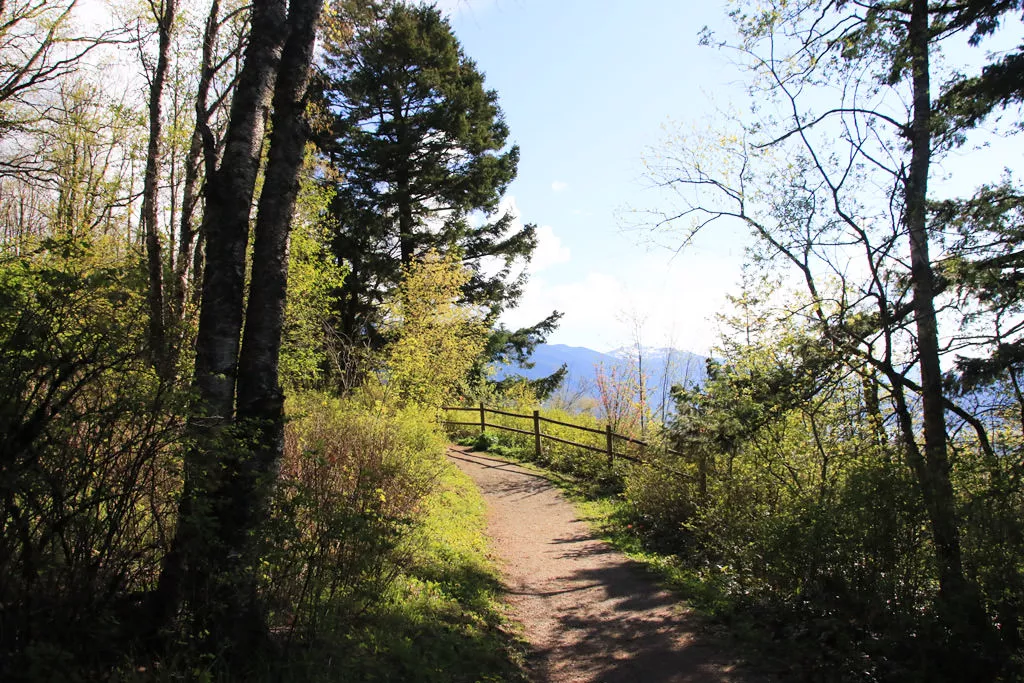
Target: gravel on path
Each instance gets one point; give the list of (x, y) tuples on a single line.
[(589, 613)]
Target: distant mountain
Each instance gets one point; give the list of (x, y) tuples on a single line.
[(680, 367)]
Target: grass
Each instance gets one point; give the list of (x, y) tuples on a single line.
[(442, 619)]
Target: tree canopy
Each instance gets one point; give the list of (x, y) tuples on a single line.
[(419, 148)]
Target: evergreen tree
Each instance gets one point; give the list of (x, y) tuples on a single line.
[(986, 249), (419, 147)]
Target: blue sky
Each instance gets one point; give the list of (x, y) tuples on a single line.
[(587, 87)]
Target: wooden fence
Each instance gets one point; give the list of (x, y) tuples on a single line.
[(539, 436)]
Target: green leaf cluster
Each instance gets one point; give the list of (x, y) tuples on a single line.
[(434, 339)]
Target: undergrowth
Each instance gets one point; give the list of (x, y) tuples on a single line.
[(795, 635), (440, 619)]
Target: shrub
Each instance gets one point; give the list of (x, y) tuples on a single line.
[(434, 339), (351, 487), (88, 440)]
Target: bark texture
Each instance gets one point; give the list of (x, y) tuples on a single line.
[(150, 188), (934, 471), (229, 194), (202, 566), (260, 399)]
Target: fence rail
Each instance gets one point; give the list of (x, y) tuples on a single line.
[(539, 436)]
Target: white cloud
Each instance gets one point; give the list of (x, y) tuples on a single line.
[(677, 303), (559, 186), (583, 304), (549, 252), (550, 249), (508, 204)]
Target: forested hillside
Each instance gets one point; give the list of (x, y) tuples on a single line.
[(248, 251)]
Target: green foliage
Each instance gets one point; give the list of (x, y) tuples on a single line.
[(434, 339), (796, 506), (351, 486), (314, 277), (377, 561), (443, 620), (88, 441), (419, 148), (373, 560)]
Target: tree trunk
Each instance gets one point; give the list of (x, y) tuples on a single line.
[(201, 565), (229, 194), (406, 222), (406, 239), (960, 602), (260, 399), (150, 187), (201, 147), (872, 406)]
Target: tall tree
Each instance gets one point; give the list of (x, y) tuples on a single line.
[(229, 472), (164, 14), (874, 124), (419, 145)]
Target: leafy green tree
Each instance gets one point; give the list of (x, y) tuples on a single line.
[(314, 277), (435, 339), (847, 103)]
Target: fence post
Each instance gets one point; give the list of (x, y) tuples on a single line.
[(536, 433), (483, 420), (608, 444)]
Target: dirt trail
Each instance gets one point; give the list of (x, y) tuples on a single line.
[(590, 613)]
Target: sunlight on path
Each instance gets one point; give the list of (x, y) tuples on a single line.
[(589, 612)]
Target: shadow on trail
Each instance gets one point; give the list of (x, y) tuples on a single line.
[(521, 483), (591, 614), (644, 651), (631, 634), (490, 462)]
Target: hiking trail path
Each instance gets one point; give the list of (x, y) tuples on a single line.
[(589, 613)]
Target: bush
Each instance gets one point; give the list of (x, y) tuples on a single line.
[(88, 444), (661, 505), (351, 487)]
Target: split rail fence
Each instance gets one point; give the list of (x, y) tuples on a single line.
[(539, 436)]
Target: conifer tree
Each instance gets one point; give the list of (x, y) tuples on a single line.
[(419, 147)]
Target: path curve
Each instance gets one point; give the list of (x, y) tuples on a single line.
[(589, 613)]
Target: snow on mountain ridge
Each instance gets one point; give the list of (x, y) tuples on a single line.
[(678, 366)]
